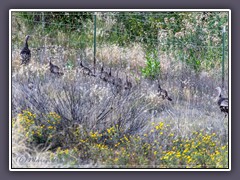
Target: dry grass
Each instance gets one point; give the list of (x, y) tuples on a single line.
[(193, 107)]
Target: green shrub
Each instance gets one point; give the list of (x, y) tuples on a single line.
[(152, 68), (201, 151), (40, 132), (159, 148)]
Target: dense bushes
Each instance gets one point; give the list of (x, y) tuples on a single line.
[(159, 148), (64, 21), (192, 37)]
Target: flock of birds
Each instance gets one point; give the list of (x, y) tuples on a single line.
[(25, 55)]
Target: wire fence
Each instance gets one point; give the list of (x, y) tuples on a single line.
[(188, 40)]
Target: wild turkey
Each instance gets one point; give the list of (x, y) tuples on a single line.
[(25, 52), (105, 76), (222, 102), (163, 92), (110, 78), (55, 69), (86, 70), (128, 84), (117, 82)]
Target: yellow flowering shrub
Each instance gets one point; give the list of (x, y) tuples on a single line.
[(201, 151), (38, 131), (160, 147)]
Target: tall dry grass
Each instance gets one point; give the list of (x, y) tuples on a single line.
[(95, 105)]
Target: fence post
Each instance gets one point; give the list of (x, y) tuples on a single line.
[(43, 21), (94, 50), (223, 49)]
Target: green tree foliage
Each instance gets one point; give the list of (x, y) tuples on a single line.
[(64, 21), (193, 37), (196, 36)]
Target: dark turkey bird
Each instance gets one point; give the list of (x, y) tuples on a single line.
[(110, 77), (117, 81), (222, 102), (86, 70), (106, 76), (163, 93), (118, 84), (128, 84), (55, 69), (25, 52)]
